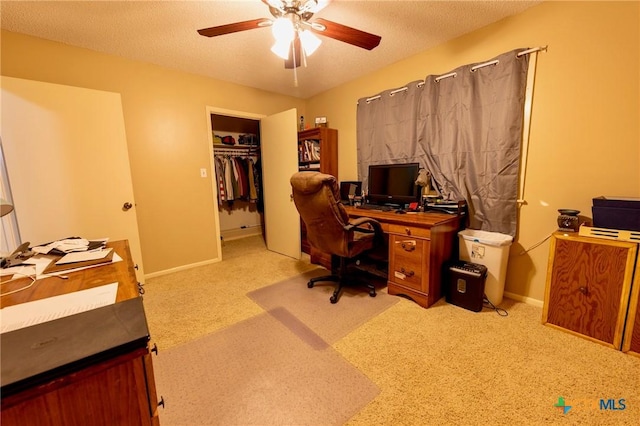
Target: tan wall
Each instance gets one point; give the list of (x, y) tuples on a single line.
[(167, 134), (584, 134)]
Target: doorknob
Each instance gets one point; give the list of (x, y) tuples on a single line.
[(126, 206)]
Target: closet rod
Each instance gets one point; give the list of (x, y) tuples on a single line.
[(245, 151)]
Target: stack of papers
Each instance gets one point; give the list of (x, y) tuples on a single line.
[(82, 259), (69, 245)]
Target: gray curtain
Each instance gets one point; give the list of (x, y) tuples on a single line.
[(387, 129), (468, 132)]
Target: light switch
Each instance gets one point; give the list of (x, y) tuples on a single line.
[(203, 172)]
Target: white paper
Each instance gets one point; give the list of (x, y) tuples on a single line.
[(37, 264), (82, 256), (39, 311)]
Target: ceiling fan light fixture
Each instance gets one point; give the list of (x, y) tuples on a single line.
[(282, 49), (283, 30), (278, 4), (310, 42)]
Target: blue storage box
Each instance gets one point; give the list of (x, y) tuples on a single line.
[(616, 213)]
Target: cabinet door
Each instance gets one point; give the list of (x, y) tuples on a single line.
[(588, 284), (631, 342)]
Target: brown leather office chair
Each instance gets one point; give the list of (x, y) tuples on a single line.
[(317, 198)]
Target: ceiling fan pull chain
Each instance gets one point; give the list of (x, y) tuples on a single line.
[(295, 67)]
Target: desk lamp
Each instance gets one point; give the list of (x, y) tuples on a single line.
[(5, 207)]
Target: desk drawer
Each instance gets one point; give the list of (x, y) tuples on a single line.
[(407, 263), (410, 231)]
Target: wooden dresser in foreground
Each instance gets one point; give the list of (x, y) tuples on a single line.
[(102, 372), (592, 290)]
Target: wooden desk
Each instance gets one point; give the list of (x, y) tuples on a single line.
[(419, 244), (117, 390)]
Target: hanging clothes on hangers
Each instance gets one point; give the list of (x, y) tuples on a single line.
[(237, 176)]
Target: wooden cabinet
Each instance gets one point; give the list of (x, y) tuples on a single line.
[(119, 391), (589, 289), (93, 367), (317, 151)]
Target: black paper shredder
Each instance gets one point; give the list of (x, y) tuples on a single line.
[(465, 285)]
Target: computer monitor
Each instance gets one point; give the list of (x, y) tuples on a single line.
[(348, 188), (393, 184)]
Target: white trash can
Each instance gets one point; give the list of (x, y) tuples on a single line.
[(490, 249)]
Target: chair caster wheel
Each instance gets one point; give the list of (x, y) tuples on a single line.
[(372, 293), (333, 299), (310, 284)]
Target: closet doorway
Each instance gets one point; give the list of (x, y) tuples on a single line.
[(276, 160), (237, 175)]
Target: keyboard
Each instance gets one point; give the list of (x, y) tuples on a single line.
[(374, 207)]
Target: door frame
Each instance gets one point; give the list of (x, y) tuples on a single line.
[(212, 165)]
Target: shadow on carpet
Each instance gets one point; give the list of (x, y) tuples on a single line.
[(308, 311), (259, 372)]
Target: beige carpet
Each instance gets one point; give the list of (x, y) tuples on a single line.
[(258, 372), (438, 366), (292, 299)]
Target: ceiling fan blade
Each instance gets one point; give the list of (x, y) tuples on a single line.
[(346, 34), (289, 63), (235, 27)]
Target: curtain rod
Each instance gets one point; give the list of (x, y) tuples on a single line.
[(533, 49), (486, 64), (442, 77), (454, 74)]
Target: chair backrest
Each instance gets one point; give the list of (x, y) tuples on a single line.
[(317, 198)]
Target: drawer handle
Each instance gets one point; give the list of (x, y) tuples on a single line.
[(408, 246), (408, 231), (584, 290), (407, 273)]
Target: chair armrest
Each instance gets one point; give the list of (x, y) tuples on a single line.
[(356, 225)]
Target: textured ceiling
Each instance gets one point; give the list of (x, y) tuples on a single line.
[(164, 33)]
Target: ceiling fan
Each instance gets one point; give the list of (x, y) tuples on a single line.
[(294, 30)]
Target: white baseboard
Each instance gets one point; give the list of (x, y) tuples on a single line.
[(235, 234), (524, 299), (181, 268)]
